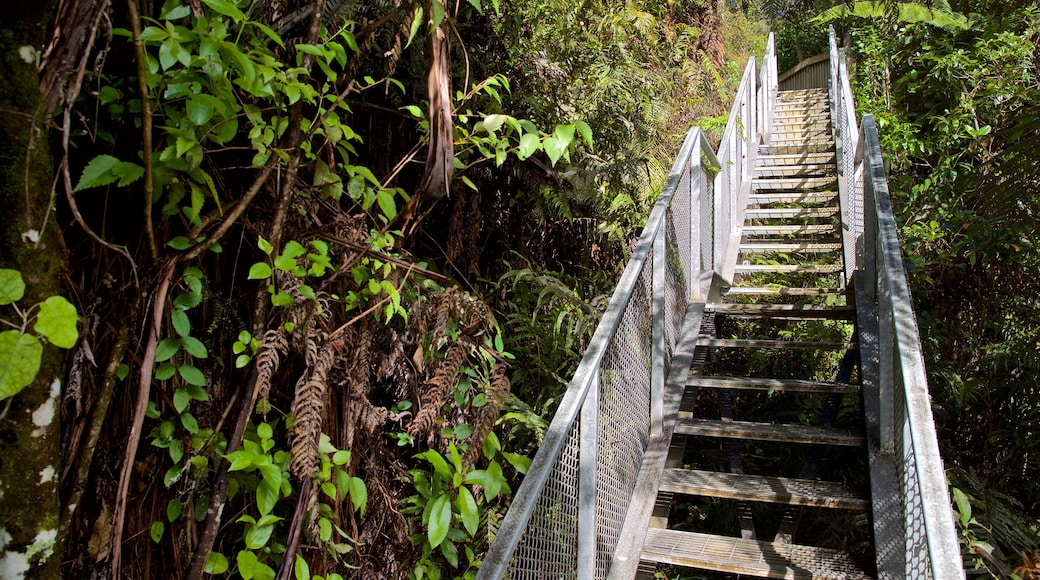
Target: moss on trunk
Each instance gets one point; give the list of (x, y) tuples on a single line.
[(29, 430)]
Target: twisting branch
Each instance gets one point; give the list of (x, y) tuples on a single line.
[(140, 408), (146, 125)]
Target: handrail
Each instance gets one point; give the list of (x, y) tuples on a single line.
[(567, 514), (843, 123), (907, 429)]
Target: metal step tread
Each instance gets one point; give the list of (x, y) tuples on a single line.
[(794, 247), (795, 158), (792, 197), (761, 183), (785, 490), (788, 230), (791, 213), (782, 291), (809, 268), (770, 384), (769, 343), (784, 433), (749, 557), (799, 148), (786, 311)]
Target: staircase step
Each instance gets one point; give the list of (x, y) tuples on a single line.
[(790, 213), (783, 291), (763, 343), (796, 183), (799, 148), (805, 169), (805, 268), (748, 557), (768, 384), (789, 247), (785, 490), (785, 230), (785, 311), (795, 158), (792, 197), (783, 433)]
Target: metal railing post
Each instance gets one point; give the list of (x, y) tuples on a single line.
[(658, 370), (587, 475)]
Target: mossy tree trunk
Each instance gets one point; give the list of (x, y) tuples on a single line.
[(29, 426)]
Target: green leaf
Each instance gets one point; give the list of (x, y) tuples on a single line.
[(126, 173), (358, 494), (266, 497), (963, 506), (300, 569), (166, 349), (165, 371), (467, 507), (495, 480), (97, 172), (249, 567), (194, 347), (529, 143), (156, 531), (200, 109), (415, 111), (585, 131), (19, 361), (191, 375), (173, 509), (216, 563), (179, 243), (57, 321), (260, 271), (190, 423), (226, 8), (556, 145), (12, 287), (180, 321), (440, 465), (519, 462), (386, 203), (181, 398), (440, 520), (257, 536)]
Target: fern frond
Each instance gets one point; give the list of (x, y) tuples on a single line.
[(940, 15)]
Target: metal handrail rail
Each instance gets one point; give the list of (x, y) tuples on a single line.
[(846, 134), (907, 429), (672, 285)]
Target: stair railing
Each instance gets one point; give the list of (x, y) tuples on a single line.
[(906, 434), (566, 517), (846, 135)]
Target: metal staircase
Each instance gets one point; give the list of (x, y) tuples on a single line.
[(758, 366)]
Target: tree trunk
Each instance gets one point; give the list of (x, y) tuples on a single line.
[(29, 426)]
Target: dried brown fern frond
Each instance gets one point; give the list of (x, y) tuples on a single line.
[(268, 355), (308, 407), (484, 419), (437, 388)]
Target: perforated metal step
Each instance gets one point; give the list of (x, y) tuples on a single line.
[(786, 311), (793, 183), (769, 384), (788, 230), (791, 213), (783, 291), (805, 268), (770, 432), (750, 557), (792, 197), (785, 490), (789, 247)]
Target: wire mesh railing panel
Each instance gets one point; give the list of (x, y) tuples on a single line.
[(918, 560), (546, 549), (705, 217), (677, 255), (680, 219), (624, 419)]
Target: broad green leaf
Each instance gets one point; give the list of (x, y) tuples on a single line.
[(97, 172), (216, 563), (556, 145), (585, 131), (493, 122), (529, 143), (417, 20), (250, 568), (173, 509), (194, 347), (192, 375), (440, 520), (415, 111), (519, 462), (180, 321), (386, 203), (200, 109), (467, 507), (156, 531), (190, 423), (438, 462), (259, 271), (358, 494), (165, 371), (266, 497), (963, 506), (166, 349), (257, 536), (179, 243), (227, 8), (19, 361), (451, 553), (181, 398), (12, 287), (437, 12), (495, 480), (57, 321), (126, 173), (300, 569)]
